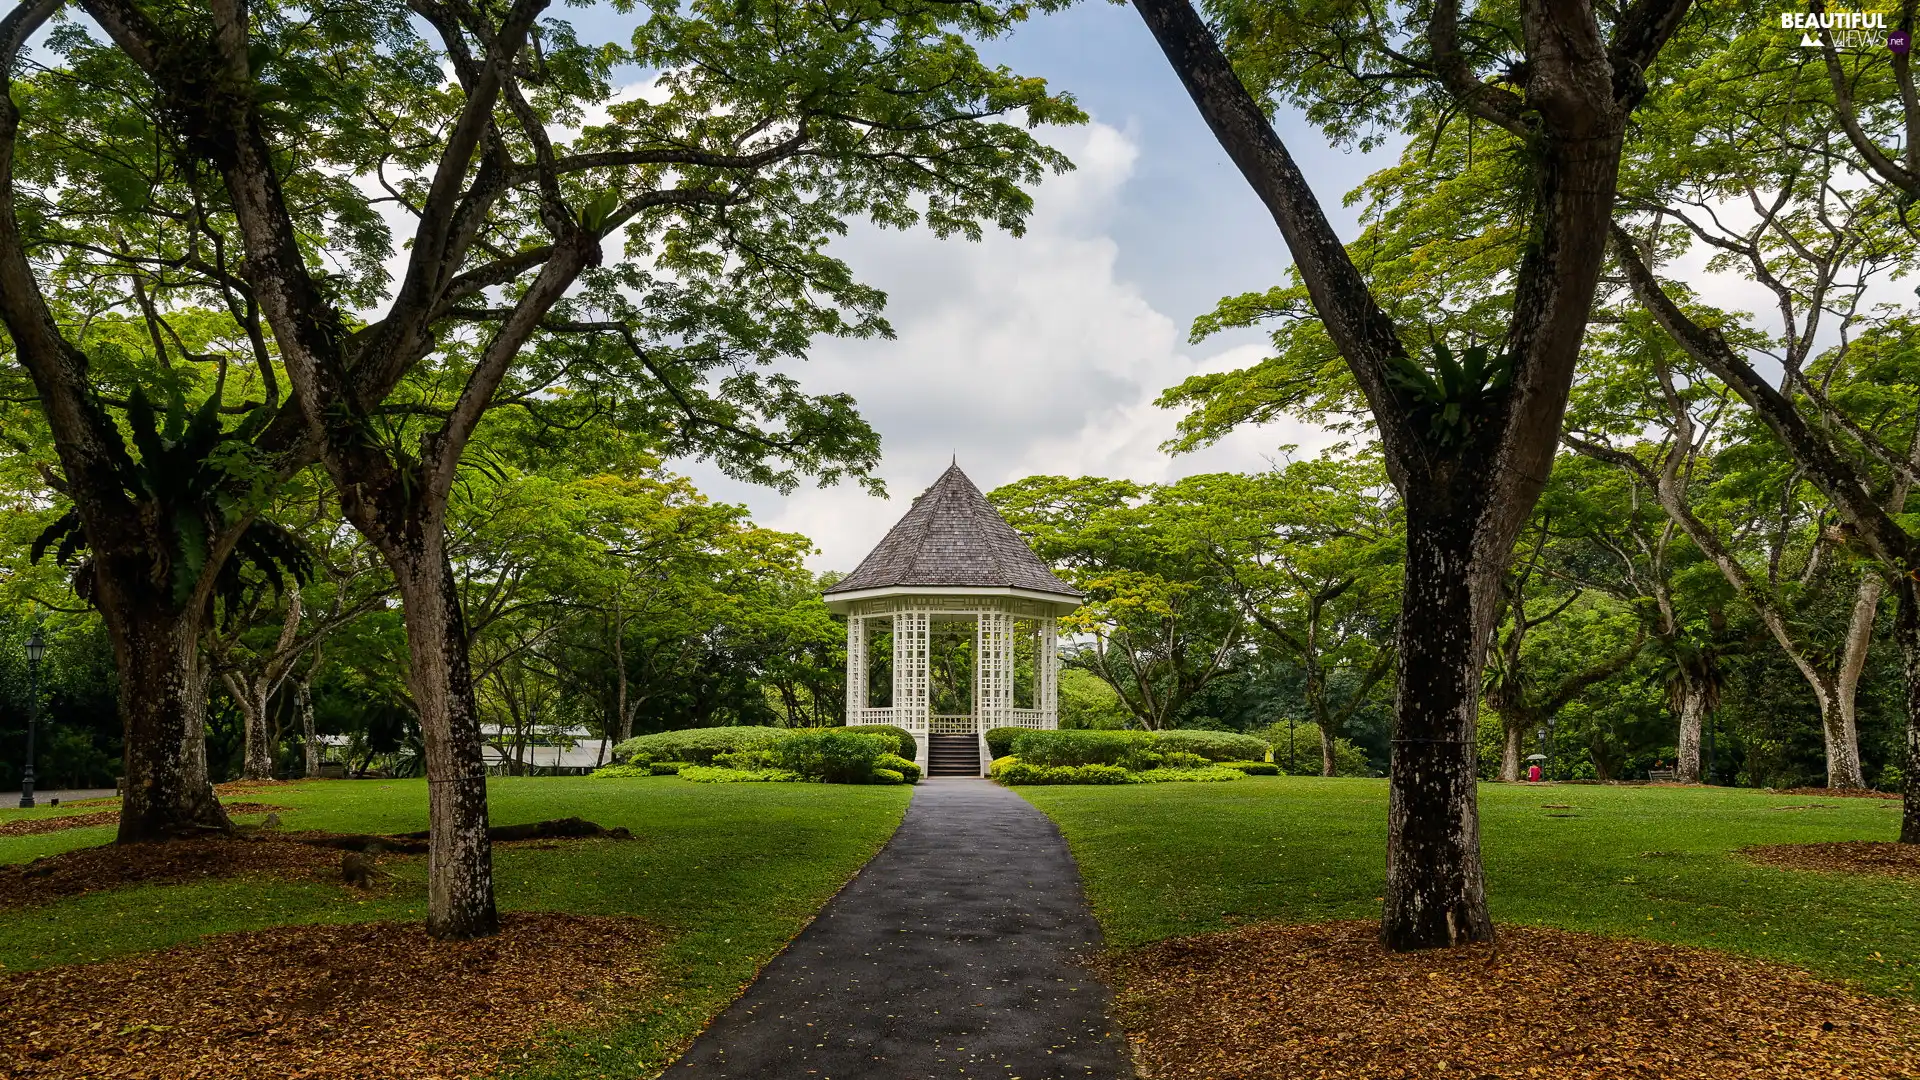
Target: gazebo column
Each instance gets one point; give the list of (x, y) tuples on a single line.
[(911, 692), (993, 676), (856, 669), (1047, 672)]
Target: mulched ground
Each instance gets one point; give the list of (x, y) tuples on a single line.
[(38, 826), (245, 787), (1325, 1001), (1839, 793), (322, 1002), (114, 866), (1847, 857)]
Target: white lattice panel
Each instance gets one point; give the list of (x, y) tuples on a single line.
[(856, 668), (993, 670), (961, 724), (1047, 672), (910, 643), (1032, 718)]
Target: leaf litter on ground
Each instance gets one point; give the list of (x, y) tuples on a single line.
[(1327, 1002), (324, 1002)]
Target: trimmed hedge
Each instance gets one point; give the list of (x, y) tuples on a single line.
[(708, 774), (1021, 772), (618, 772), (837, 756), (1213, 745), (698, 746), (1000, 740), (1134, 750), (1208, 774), (887, 776), (905, 768), (907, 748), (1078, 747)]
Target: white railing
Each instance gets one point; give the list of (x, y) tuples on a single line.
[(951, 724), (901, 717), (1030, 718)]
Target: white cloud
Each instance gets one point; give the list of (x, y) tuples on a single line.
[(1017, 356)]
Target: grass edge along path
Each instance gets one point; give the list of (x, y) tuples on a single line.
[(1659, 863), (729, 872)]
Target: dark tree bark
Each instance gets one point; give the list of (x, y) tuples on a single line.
[(163, 707), (155, 637), (1690, 704), (303, 702), (1465, 502), (1907, 629), (460, 861)]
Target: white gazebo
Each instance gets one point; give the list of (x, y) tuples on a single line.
[(951, 629)]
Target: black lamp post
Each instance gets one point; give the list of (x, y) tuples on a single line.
[(35, 650), (1547, 758)]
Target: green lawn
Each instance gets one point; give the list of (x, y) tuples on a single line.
[(1172, 859), (730, 871)]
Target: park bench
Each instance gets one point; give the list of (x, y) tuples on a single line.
[(1661, 776)]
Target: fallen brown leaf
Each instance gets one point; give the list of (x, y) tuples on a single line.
[(1327, 1002), (374, 1000), (1843, 857)]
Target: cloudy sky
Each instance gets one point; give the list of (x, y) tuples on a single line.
[(1043, 354)]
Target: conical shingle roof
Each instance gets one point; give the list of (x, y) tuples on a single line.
[(953, 537)]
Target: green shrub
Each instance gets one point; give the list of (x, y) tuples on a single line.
[(1206, 774), (1892, 778), (1253, 768), (886, 776), (1000, 740), (746, 759), (837, 756), (1137, 751), (708, 774), (665, 768), (1077, 747), (1348, 759), (616, 772), (1021, 772), (1212, 745), (999, 764), (697, 745), (904, 744), (900, 765)]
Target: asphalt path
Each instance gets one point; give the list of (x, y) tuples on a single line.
[(957, 952)]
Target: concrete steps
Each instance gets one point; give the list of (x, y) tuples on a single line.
[(953, 755)]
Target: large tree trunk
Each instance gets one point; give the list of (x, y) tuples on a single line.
[(1843, 767), (1436, 891), (1839, 733), (303, 701), (1907, 629), (1516, 740), (460, 860), (1317, 699), (622, 716), (163, 709), (257, 761), (1692, 702)]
